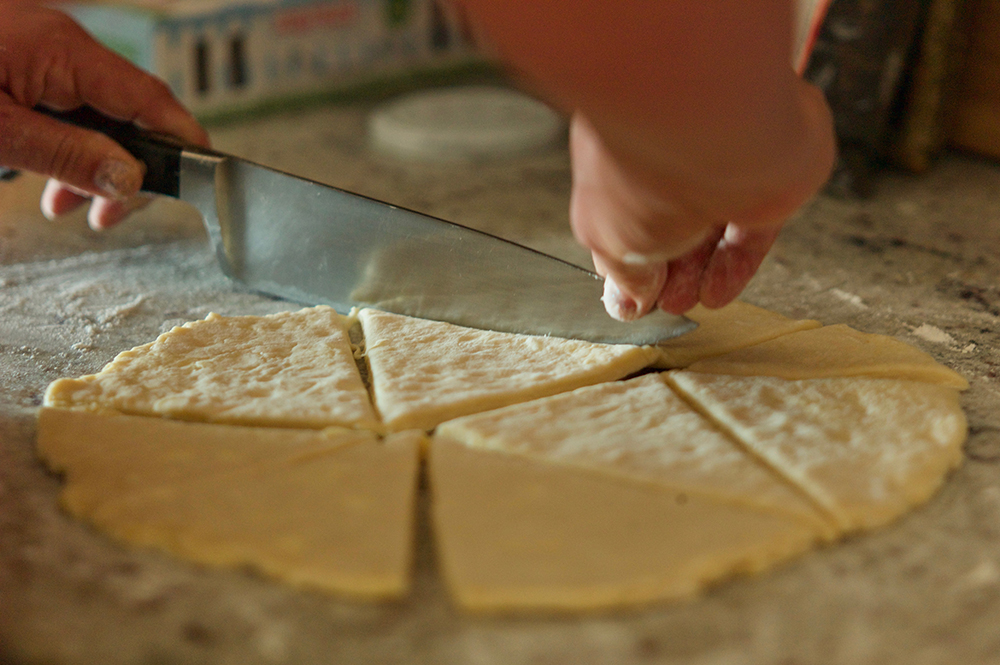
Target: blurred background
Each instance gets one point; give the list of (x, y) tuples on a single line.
[(908, 79)]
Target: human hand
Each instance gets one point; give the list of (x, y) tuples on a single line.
[(692, 140), (655, 250), (47, 59)]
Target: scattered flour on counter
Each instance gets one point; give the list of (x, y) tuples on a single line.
[(118, 313), (934, 334), (849, 298)]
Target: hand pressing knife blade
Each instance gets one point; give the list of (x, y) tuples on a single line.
[(307, 242)]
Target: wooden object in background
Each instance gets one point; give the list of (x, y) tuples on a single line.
[(977, 113), (930, 93), (859, 62)]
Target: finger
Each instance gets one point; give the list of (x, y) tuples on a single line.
[(124, 92), (77, 70), (86, 160), (105, 213), (734, 262), (629, 291), (58, 200), (682, 289), (613, 213)]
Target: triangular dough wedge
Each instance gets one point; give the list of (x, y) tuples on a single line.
[(866, 450), (334, 512), (107, 454), (719, 331), (833, 351), (293, 369), (518, 535), (425, 372), (640, 430)]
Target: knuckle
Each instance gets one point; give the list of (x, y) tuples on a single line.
[(11, 137), (67, 160)]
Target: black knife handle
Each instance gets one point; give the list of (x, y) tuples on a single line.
[(161, 154)]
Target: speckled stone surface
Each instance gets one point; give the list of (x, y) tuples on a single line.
[(920, 261)]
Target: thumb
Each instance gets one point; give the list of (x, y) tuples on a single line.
[(632, 231), (630, 291)]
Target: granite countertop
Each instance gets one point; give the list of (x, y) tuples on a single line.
[(919, 261)]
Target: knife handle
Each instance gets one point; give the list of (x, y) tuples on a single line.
[(160, 153)]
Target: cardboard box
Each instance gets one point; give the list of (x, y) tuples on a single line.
[(223, 57)]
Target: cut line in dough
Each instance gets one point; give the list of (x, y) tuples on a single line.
[(865, 449), (520, 535), (719, 331), (331, 510), (426, 372), (639, 430), (833, 351)]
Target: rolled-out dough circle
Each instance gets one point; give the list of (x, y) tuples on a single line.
[(555, 487), (456, 124)]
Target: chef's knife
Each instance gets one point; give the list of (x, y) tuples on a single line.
[(307, 242)]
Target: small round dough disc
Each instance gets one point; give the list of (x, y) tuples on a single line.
[(471, 122)]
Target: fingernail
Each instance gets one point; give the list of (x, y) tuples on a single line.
[(635, 259), (117, 179), (618, 305)]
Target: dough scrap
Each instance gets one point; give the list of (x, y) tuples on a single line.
[(426, 372), (520, 535), (293, 369), (719, 331), (331, 510), (865, 449), (640, 430), (831, 351)]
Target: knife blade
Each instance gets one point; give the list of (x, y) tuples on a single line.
[(310, 243)]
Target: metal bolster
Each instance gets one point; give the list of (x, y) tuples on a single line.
[(204, 183)]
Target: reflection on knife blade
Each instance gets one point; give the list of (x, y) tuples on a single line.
[(538, 290), (295, 238)]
